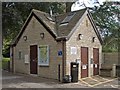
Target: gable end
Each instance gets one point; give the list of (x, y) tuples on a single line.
[(14, 43), (95, 28)]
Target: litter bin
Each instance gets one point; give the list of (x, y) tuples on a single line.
[(74, 71)]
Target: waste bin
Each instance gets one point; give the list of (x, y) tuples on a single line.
[(74, 71)]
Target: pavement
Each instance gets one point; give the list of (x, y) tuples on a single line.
[(17, 80)]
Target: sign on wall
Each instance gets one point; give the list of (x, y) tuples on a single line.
[(95, 65), (84, 67), (43, 55), (60, 53), (26, 59), (73, 50)]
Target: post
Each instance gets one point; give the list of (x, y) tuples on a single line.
[(59, 72), (63, 60), (114, 70)]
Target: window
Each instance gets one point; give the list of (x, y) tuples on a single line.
[(86, 23), (93, 39), (63, 24), (43, 55), (20, 55), (68, 18)]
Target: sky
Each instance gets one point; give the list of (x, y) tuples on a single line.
[(80, 4)]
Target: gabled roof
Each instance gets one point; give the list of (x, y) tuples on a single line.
[(60, 26)]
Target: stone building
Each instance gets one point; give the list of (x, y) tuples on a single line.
[(47, 45)]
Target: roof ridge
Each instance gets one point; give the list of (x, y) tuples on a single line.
[(35, 10)]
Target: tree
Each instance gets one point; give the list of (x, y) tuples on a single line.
[(106, 17), (14, 15), (108, 23)]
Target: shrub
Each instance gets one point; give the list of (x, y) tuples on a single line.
[(5, 63)]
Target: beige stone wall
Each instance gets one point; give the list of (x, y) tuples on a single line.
[(110, 58), (88, 33), (32, 32)]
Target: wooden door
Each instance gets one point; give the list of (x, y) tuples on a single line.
[(84, 62), (96, 61), (33, 59)]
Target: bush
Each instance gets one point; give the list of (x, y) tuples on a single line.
[(5, 63)]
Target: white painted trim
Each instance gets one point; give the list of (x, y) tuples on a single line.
[(34, 44)]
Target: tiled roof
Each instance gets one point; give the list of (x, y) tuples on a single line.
[(59, 26)]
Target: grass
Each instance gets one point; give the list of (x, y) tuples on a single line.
[(6, 59)]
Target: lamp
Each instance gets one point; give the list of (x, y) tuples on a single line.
[(42, 35), (25, 38), (80, 36)]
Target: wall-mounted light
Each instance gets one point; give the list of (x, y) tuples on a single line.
[(42, 35), (93, 39), (80, 36), (25, 38)]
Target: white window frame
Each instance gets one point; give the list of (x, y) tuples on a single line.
[(43, 64)]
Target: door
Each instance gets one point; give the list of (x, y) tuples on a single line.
[(84, 62), (96, 61), (33, 59)]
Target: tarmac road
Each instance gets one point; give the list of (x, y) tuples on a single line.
[(12, 81)]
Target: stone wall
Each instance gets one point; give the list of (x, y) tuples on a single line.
[(110, 58), (85, 28), (32, 32)]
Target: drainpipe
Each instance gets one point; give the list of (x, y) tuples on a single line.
[(12, 58), (63, 59)]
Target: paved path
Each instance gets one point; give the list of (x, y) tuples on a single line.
[(10, 80)]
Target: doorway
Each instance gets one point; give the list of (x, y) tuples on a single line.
[(96, 61), (33, 59), (84, 62)]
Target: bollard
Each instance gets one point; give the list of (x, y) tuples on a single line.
[(114, 70)]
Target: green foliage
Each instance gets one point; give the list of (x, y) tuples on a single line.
[(6, 59), (5, 63), (14, 15), (106, 17), (107, 20)]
